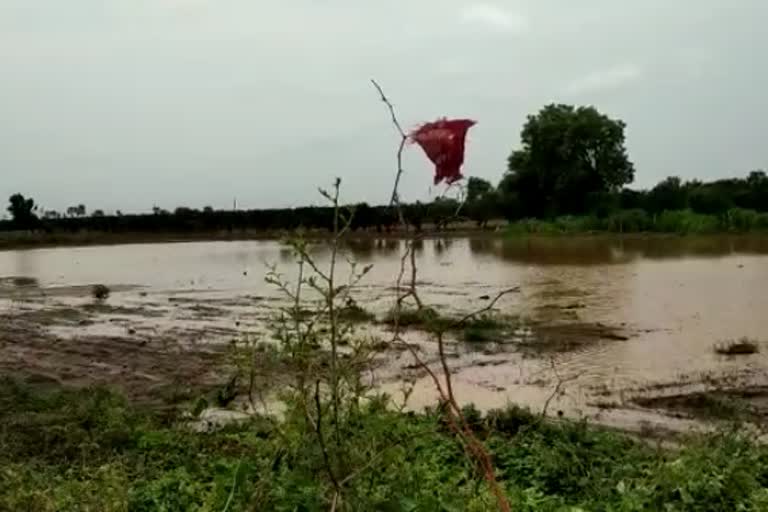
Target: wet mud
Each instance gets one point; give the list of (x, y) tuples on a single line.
[(624, 336)]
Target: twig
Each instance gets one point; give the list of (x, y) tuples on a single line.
[(487, 308), (331, 300), (234, 486), (335, 501), (395, 200), (558, 386)]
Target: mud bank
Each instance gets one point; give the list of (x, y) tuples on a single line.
[(162, 348)]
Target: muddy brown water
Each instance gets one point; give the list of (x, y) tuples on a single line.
[(672, 299)]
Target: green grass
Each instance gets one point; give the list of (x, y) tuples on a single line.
[(683, 222), (92, 450), (721, 407), (475, 335), (353, 312), (483, 328), (424, 318)]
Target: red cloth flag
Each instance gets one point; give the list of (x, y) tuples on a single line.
[(443, 142)]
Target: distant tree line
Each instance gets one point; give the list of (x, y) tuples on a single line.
[(572, 161)]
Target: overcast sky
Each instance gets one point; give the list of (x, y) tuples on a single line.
[(126, 104)]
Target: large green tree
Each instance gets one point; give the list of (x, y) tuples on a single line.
[(482, 200), (477, 188), (569, 157), (22, 210)]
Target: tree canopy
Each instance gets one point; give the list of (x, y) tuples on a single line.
[(22, 211), (569, 156)]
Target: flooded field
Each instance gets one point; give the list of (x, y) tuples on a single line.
[(622, 331)]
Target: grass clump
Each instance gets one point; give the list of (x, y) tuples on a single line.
[(730, 406), (354, 313), (100, 292), (421, 318), (483, 329), (722, 407), (742, 346), (474, 335), (64, 450)]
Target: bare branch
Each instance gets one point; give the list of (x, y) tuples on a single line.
[(560, 383), (487, 308), (403, 139)]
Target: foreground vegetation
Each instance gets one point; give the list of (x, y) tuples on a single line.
[(91, 450)]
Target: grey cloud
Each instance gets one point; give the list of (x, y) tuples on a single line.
[(605, 79), (495, 17)]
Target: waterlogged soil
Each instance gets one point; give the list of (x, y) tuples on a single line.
[(146, 368), (618, 331)]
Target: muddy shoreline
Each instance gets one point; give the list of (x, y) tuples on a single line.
[(172, 350), (630, 335)]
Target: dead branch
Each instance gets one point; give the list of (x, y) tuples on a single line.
[(395, 200), (487, 308), (560, 383)]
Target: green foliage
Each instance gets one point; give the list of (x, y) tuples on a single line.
[(568, 154), (22, 211), (481, 328), (477, 188), (90, 450), (425, 318), (484, 328), (685, 222), (629, 221), (682, 222)]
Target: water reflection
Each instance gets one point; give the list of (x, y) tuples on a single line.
[(614, 250), (483, 245)]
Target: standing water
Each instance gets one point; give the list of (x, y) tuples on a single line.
[(672, 299)]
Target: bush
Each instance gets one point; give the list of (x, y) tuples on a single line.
[(422, 318), (742, 220), (100, 292), (686, 222), (90, 449), (629, 221)]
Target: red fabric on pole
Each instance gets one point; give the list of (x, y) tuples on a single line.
[(443, 142)]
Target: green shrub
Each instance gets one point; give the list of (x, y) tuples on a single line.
[(398, 461), (686, 222), (742, 220), (629, 221)]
